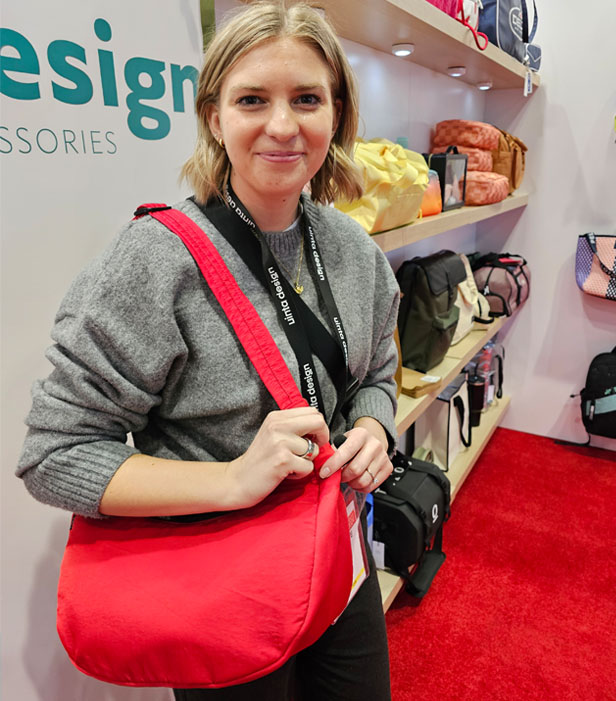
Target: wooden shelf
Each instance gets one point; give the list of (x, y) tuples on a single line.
[(390, 582), (390, 585), (439, 223), (409, 408), (440, 41)]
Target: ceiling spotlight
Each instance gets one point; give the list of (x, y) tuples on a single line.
[(456, 71), (485, 85), (402, 49)]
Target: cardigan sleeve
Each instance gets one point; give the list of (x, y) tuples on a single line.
[(377, 393), (116, 343)]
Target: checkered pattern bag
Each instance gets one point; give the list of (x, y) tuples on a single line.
[(485, 188), (478, 159), (464, 132), (595, 265)]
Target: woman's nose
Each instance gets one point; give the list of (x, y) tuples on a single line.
[(282, 122)]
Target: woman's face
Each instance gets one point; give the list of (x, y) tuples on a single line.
[(277, 116)]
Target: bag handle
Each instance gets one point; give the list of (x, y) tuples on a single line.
[(458, 403), (476, 34), (499, 392), (450, 149), (418, 583), (246, 322), (592, 242)]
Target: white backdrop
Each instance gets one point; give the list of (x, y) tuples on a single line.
[(71, 175)]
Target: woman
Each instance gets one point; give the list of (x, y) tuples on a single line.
[(141, 346)]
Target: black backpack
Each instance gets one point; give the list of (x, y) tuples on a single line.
[(428, 317), (598, 398)]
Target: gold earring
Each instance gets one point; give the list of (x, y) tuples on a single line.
[(221, 142)]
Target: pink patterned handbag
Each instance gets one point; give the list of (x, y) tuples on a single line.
[(485, 188), (450, 7), (478, 159), (466, 12), (595, 265), (465, 132)]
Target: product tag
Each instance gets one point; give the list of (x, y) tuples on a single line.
[(430, 378), (528, 83), (358, 547), (490, 397), (378, 550)]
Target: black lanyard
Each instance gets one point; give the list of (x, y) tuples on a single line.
[(305, 332)]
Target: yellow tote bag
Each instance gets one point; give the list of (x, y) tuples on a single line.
[(394, 181)]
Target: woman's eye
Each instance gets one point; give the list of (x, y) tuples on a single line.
[(249, 100), (309, 100)]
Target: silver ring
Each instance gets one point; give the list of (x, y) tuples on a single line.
[(374, 480), (310, 447)]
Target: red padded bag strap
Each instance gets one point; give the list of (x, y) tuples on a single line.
[(250, 329)]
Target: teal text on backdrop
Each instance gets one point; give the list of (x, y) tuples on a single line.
[(147, 79)]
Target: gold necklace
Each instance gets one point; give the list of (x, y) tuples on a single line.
[(296, 286)]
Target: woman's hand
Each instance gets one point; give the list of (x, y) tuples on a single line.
[(362, 457), (277, 452)]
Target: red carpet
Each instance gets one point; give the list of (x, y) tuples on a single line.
[(525, 605)]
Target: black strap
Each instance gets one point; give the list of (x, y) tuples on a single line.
[(494, 260), (558, 441), (524, 22), (478, 319), (418, 583), (249, 250), (305, 332), (458, 403), (499, 391), (529, 35)]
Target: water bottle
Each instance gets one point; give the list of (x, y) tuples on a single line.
[(475, 399), (483, 370)]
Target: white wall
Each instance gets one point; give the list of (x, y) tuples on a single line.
[(567, 125), (399, 98)]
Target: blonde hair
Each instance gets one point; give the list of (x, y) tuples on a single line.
[(208, 169)]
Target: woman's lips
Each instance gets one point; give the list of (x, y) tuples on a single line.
[(281, 156)]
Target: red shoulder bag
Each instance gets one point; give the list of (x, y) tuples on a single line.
[(219, 602)]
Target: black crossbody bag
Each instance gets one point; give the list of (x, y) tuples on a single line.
[(410, 508)]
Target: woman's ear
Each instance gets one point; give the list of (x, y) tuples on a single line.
[(337, 114), (213, 119)]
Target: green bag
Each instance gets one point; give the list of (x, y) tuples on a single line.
[(428, 317)]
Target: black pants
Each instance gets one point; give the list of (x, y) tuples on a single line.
[(350, 662)]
